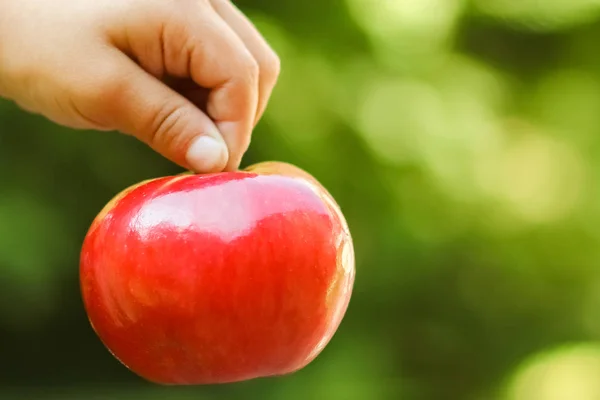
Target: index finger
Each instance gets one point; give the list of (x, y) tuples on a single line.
[(195, 42), (220, 61)]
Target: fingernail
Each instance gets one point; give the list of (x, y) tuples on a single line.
[(207, 154)]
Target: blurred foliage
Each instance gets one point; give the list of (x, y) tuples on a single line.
[(461, 139)]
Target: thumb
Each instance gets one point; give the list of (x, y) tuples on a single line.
[(130, 100)]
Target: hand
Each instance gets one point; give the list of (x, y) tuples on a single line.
[(191, 78)]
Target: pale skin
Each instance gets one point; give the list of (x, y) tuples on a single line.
[(191, 78)]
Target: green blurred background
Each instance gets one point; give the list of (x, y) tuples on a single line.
[(461, 139)]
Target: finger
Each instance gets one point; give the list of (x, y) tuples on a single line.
[(193, 41), (268, 61), (219, 60), (126, 98)]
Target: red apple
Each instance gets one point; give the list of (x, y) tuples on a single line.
[(205, 279)]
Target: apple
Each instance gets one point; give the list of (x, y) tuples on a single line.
[(218, 278)]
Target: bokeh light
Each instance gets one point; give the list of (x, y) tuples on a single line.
[(568, 372)]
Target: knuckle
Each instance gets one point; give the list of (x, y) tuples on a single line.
[(270, 66), (163, 124), (178, 49), (177, 31), (250, 69)]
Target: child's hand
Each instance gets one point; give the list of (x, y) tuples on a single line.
[(102, 64)]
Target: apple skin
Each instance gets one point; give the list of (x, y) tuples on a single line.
[(219, 278)]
